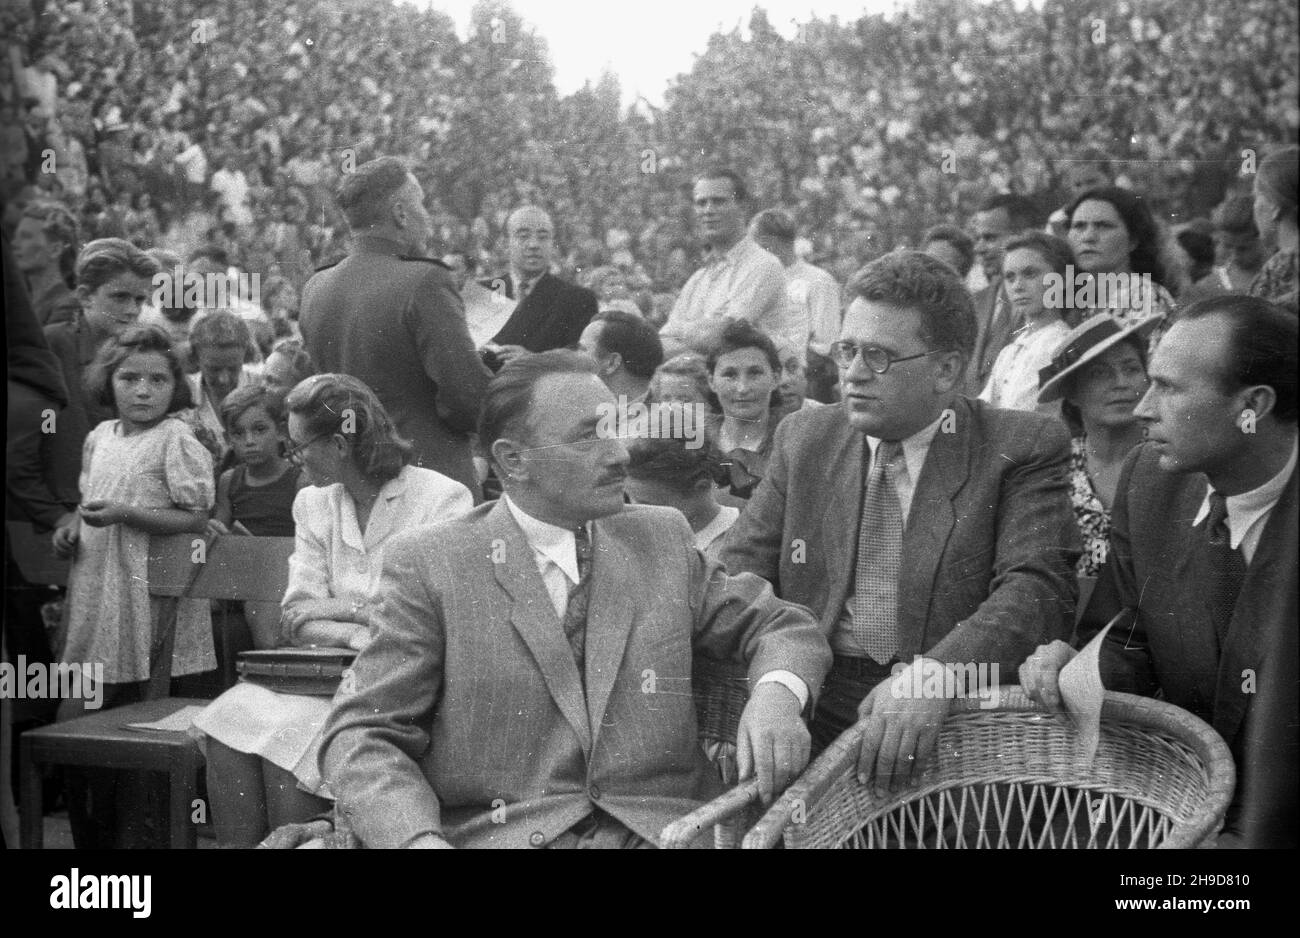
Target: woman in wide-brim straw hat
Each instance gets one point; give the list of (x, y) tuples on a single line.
[(1098, 373)]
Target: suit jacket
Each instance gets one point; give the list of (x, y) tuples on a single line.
[(552, 316), (397, 324), (470, 720), (988, 550), (1155, 572), (992, 335)]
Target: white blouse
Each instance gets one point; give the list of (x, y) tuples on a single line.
[(1013, 382), (332, 559)]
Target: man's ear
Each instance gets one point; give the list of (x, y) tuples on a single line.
[(397, 212), (509, 457), (948, 371), (84, 294), (1260, 399), (612, 363)]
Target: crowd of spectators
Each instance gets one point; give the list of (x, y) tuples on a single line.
[(183, 122)]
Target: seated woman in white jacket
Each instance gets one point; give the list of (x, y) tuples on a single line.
[(261, 745), (1028, 260)]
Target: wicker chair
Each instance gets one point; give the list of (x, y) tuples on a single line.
[(1007, 777), (721, 690)]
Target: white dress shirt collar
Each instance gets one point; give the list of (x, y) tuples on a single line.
[(556, 544), (1246, 509), (915, 447)]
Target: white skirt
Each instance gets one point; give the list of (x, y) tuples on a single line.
[(284, 729)]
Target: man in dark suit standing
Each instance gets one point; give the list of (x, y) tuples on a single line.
[(529, 683), (549, 312), (1203, 554), (1000, 217), (391, 316), (926, 530)]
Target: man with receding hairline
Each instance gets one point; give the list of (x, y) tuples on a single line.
[(529, 684), (1201, 574), (549, 312), (391, 316)]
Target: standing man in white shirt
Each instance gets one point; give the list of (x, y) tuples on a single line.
[(739, 280), (1202, 566)]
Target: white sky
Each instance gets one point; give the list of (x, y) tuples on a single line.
[(646, 43)]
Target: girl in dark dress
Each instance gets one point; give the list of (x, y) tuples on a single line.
[(256, 495)]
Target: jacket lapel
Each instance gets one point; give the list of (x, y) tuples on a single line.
[(609, 619), (388, 508), (534, 619), (929, 524), (847, 452), (1258, 610)]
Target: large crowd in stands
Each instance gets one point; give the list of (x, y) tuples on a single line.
[(979, 150), (174, 133)]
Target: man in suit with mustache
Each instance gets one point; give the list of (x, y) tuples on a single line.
[(925, 529), (530, 684), (1203, 553)]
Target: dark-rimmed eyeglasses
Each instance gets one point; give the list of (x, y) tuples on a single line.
[(877, 359), (294, 453)]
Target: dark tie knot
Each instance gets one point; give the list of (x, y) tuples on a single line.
[(1216, 523), (582, 543)]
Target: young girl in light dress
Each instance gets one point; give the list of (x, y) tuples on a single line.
[(143, 474)]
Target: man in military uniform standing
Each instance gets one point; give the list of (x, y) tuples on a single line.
[(392, 317)]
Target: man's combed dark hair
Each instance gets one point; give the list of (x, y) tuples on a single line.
[(634, 339), (364, 193), (1261, 347), (1020, 210), (671, 461), (509, 397), (105, 258), (916, 281), (342, 404), (961, 243)]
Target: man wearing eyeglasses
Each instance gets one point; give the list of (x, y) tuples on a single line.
[(925, 529)]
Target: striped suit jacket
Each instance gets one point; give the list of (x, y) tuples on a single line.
[(470, 721)]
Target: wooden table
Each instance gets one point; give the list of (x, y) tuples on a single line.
[(103, 740)]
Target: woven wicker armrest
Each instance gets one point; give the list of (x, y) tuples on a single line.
[(682, 832), (1012, 776)]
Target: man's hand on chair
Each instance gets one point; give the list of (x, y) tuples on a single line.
[(900, 734), (772, 742), (293, 836)]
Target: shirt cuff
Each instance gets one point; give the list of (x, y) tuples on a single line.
[(789, 680)]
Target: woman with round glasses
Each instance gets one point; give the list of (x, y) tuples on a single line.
[(261, 745), (744, 374), (1098, 373)]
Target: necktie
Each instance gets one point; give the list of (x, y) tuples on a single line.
[(1226, 566), (525, 287), (575, 613), (880, 548)]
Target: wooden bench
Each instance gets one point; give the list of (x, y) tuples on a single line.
[(183, 565)]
